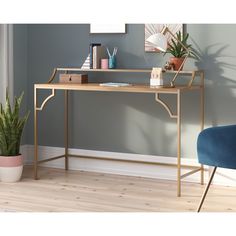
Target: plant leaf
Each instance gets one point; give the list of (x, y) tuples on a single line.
[(11, 126)]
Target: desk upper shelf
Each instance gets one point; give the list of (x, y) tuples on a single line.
[(127, 70), (192, 73)]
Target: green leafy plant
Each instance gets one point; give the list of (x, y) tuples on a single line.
[(11, 126), (177, 50)]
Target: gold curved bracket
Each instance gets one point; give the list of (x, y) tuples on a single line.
[(192, 79), (46, 100), (53, 75), (157, 98)]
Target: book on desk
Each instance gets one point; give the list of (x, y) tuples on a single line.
[(91, 46), (111, 84), (97, 52)]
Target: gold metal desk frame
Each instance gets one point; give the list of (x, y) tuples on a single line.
[(178, 90)]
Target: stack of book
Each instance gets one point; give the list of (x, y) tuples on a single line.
[(97, 52)]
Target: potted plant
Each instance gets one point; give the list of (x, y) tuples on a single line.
[(11, 128), (179, 52)]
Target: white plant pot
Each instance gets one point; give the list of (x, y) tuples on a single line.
[(11, 168)]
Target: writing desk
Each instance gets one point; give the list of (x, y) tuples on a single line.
[(138, 88)]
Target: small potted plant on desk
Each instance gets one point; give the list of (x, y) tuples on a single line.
[(11, 128), (179, 52)]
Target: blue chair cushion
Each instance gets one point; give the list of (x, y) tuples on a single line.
[(216, 146)]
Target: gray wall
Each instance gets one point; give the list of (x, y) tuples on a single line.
[(20, 45), (128, 122)]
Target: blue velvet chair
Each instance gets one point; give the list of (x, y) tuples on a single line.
[(217, 147)]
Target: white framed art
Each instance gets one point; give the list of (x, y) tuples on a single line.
[(96, 28)]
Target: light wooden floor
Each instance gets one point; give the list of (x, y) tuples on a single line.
[(60, 191)]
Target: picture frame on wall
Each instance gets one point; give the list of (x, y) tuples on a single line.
[(157, 28), (96, 28)]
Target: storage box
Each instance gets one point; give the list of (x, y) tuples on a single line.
[(73, 78)]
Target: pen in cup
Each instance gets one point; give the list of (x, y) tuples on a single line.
[(112, 58)]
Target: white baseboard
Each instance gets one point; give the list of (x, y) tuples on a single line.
[(223, 176)]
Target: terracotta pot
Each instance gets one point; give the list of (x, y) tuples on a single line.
[(11, 168), (176, 62)]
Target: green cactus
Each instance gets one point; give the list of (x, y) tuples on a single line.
[(11, 126)]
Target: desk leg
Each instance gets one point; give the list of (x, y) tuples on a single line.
[(35, 136), (66, 128), (179, 144)]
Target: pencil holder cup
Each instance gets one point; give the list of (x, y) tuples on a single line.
[(104, 63), (112, 62)]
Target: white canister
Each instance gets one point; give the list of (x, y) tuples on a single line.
[(156, 77)]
